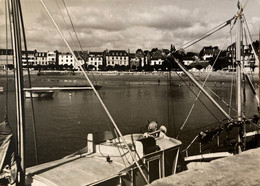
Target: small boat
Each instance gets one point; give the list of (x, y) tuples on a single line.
[(39, 94), (106, 161), (1, 89)]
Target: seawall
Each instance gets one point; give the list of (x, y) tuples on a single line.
[(242, 169)]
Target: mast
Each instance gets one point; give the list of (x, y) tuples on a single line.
[(17, 57), (238, 74)]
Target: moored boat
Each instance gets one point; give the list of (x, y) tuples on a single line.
[(105, 161), (233, 134), (39, 94), (109, 158)]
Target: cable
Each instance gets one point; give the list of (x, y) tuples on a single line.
[(6, 94), (30, 85)]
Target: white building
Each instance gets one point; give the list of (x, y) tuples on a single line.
[(51, 58), (95, 59), (41, 58), (117, 57), (66, 59), (30, 57)]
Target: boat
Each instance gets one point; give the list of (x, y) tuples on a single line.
[(39, 94), (80, 87), (231, 135), (1, 89), (109, 157)]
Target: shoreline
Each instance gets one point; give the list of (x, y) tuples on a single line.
[(156, 76)]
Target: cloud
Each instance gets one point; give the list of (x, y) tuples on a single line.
[(123, 24)]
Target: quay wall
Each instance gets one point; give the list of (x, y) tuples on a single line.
[(242, 169)]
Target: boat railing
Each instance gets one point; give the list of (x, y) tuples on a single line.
[(187, 148)]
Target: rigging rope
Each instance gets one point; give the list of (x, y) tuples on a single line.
[(185, 121), (97, 94), (77, 38), (250, 38), (203, 36), (30, 85), (197, 98), (6, 57), (233, 74)]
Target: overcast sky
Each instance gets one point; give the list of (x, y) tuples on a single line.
[(128, 24)]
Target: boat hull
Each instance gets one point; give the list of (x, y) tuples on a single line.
[(39, 94)]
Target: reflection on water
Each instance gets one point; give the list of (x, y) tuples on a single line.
[(64, 121)]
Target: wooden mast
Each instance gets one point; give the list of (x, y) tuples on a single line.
[(238, 74), (17, 57)]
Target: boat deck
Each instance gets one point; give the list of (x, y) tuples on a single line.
[(93, 167)]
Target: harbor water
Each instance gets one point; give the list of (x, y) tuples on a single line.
[(64, 121)]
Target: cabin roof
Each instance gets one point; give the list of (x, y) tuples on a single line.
[(86, 170)]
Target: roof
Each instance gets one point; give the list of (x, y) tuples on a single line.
[(117, 52), (80, 171), (96, 53)]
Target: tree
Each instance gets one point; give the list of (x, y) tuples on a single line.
[(110, 68), (199, 67), (90, 67), (101, 67)]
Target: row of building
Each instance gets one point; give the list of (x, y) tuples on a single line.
[(133, 61)]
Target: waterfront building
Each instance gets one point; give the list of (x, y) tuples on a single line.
[(157, 58), (248, 58), (95, 59), (209, 52), (52, 58), (66, 59), (41, 58), (30, 57), (139, 54), (6, 57), (134, 61), (117, 57)]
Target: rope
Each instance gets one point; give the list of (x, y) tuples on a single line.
[(6, 35), (233, 76), (76, 35), (30, 85), (203, 36), (97, 94), (246, 25), (197, 97)]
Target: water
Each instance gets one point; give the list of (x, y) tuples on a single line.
[(64, 121)]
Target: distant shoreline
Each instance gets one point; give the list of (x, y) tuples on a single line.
[(134, 76)]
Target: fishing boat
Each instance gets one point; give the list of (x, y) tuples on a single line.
[(233, 134), (39, 94), (109, 158)]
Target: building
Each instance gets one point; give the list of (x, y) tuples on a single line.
[(52, 58), (247, 57), (209, 52), (66, 59), (6, 57), (156, 58), (95, 59), (30, 57), (134, 61), (41, 58), (117, 57)]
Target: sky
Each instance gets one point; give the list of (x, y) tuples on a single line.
[(129, 24)]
